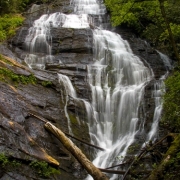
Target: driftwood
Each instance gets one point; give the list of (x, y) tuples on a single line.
[(92, 145), (76, 152)]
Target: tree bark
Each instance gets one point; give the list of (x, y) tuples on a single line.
[(76, 152), (171, 37)]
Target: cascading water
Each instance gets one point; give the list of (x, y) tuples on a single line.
[(117, 80), (159, 89), (68, 91), (88, 7), (38, 41)]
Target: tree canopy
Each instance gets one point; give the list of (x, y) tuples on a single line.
[(147, 20), (10, 16)]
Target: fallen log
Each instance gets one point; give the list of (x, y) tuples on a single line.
[(76, 152), (92, 145)]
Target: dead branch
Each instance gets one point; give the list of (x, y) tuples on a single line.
[(92, 145)]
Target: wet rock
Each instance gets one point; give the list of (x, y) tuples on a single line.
[(71, 40), (143, 50), (22, 135)]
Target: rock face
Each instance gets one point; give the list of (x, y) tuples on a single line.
[(22, 135)]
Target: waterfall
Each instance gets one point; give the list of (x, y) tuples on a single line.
[(117, 79)]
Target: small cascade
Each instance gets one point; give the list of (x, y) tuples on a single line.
[(68, 91), (39, 43), (166, 60), (88, 7), (157, 93), (159, 90)]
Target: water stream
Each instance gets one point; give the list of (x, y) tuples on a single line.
[(117, 79)]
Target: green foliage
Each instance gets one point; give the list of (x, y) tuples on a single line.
[(7, 163), (7, 75), (133, 14), (12, 6), (8, 25), (43, 169), (40, 167), (3, 160), (171, 114)]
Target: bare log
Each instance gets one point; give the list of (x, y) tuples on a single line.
[(76, 152)]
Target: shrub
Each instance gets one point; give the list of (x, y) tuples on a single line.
[(9, 24), (171, 106)]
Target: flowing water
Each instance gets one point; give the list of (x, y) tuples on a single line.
[(117, 79), (159, 90), (67, 91)]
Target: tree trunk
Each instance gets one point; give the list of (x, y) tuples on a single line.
[(76, 152), (171, 37)]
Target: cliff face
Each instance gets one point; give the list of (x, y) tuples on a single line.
[(22, 135)]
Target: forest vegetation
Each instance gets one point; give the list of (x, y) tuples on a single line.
[(158, 22)]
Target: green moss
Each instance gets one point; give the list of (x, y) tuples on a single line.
[(72, 118), (8, 163), (7, 75), (46, 83), (171, 105), (3, 159), (43, 169)]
